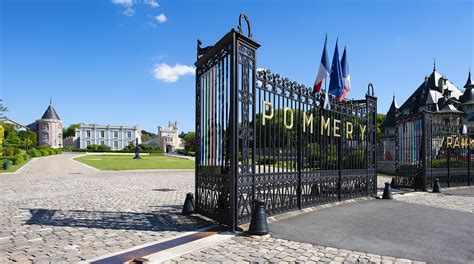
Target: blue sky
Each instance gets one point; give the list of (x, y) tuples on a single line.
[(98, 59)]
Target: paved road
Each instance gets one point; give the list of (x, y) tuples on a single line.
[(415, 227), (60, 211)]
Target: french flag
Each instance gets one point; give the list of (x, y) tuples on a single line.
[(345, 76), (323, 70)]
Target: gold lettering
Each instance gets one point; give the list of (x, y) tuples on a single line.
[(472, 143), (325, 125), (464, 142), (335, 128), (456, 142), (308, 122), (362, 131), (288, 110), (264, 113), (440, 143), (349, 129), (449, 142)]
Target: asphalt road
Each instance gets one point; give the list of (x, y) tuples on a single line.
[(387, 228)]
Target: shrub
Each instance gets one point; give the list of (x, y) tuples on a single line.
[(266, 161), (44, 152), (34, 153), (25, 156), (192, 153), (8, 151), (59, 151), (51, 151), (18, 159)]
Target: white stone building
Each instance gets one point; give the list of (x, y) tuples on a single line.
[(168, 139)]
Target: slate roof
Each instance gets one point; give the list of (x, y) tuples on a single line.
[(468, 96), (391, 114), (429, 92), (50, 113)]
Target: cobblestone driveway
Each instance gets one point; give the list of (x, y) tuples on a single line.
[(59, 211), (244, 249)]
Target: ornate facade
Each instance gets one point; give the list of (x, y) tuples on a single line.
[(449, 105), (168, 139)]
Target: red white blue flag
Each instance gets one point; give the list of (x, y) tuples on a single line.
[(323, 70), (345, 76)]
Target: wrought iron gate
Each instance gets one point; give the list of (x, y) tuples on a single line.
[(428, 148), (263, 136)]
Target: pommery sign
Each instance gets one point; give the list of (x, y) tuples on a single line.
[(329, 127)]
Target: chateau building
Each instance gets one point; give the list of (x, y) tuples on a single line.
[(116, 137), (49, 129), (436, 94), (168, 139)]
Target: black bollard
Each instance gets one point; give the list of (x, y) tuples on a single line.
[(188, 207), (315, 190), (436, 186), (393, 184), (387, 192), (258, 223)]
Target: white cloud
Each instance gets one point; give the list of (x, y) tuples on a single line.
[(161, 18), (123, 2), (129, 12), (171, 74), (152, 3)]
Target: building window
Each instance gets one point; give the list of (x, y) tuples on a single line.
[(88, 142), (115, 134), (88, 133), (115, 144), (102, 134), (102, 142), (129, 134)]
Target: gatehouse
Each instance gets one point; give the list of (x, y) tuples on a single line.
[(262, 136)]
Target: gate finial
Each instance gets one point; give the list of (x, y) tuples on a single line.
[(370, 89), (242, 15)]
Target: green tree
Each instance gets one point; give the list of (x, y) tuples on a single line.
[(2, 109), (147, 135), (28, 139), (380, 131), (190, 141), (70, 131)]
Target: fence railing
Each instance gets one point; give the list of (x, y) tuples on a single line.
[(261, 136)]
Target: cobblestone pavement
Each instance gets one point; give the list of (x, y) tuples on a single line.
[(269, 249), (459, 199), (59, 211), (244, 249)]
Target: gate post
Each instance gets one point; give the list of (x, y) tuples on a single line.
[(468, 163), (371, 138), (448, 162), (423, 155)]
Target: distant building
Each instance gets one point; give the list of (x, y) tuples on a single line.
[(116, 137), (49, 129), (7, 121), (437, 95), (168, 139)]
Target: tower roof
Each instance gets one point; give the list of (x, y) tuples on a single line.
[(428, 92), (50, 113), (469, 82), (391, 114)]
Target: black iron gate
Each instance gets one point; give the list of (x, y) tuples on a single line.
[(429, 148), (262, 136)]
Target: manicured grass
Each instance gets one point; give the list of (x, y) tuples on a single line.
[(126, 162), (13, 168)]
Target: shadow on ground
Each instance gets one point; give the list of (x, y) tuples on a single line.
[(152, 221)]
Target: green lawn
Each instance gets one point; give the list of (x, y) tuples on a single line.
[(13, 168), (126, 162)]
